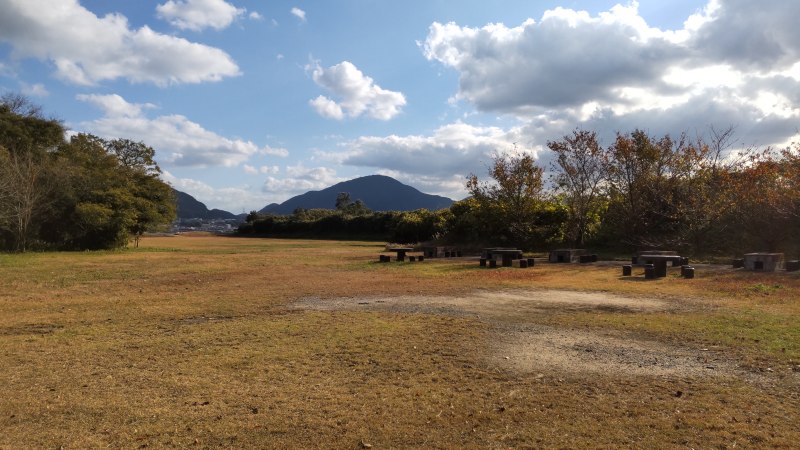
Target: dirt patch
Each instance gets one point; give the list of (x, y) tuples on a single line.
[(494, 303), (545, 349), (521, 345)]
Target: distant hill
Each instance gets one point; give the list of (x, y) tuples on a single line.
[(378, 192), (190, 208)]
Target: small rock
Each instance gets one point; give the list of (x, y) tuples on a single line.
[(365, 445)]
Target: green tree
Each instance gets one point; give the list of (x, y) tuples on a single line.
[(580, 171), (510, 205), (343, 201), (108, 200), (644, 180), (85, 193), (154, 202)]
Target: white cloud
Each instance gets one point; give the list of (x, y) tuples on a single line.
[(299, 179), (733, 63), (563, 61), (232, 199), (299, 13), (86, 49), (198, 14), (327, 108), (114, 105), (269, 169), (255, 16), (177, 140), (274, 151), (264, 170), (454, 149), (34, 90), (358, 94)]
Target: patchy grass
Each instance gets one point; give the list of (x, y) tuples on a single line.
[(188, 341)]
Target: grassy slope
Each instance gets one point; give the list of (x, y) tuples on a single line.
[(187, 341)]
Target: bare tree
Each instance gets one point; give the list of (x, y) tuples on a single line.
[(23, 193), (21, 105)]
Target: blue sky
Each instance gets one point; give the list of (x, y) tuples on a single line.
[(250, 102)]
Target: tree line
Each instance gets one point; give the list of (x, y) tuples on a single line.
[(75, 193), (694, 195)]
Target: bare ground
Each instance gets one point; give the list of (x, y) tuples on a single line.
[(518, 344)]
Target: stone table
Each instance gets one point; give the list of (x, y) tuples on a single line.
[(401, 252), (508, 255)]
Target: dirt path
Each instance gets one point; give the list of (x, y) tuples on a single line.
[(525, 347)]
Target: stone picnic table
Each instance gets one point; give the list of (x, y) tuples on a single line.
[(401, 252), (507, 254), (659, 261), (766, 262)]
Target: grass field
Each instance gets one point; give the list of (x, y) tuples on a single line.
[(259, 343)]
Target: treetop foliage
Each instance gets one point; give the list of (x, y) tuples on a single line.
[(81, 193)]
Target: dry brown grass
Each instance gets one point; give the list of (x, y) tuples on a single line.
[(194, 340)]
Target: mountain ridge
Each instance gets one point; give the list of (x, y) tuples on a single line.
[(377, 192), (189, 207)]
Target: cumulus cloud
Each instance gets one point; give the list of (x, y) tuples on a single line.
[(114, 105), (177, 140), (198, 14), (733, 63), (327, 108), (86, 49), (565, 60), (357, 92), (299, 179), (232, 199), (299, 13), (255, 16), (456, 148)]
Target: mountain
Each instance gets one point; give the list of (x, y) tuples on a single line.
[(378, 192), (190, 208)]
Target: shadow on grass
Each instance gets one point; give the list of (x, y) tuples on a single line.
[(635, 279)]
